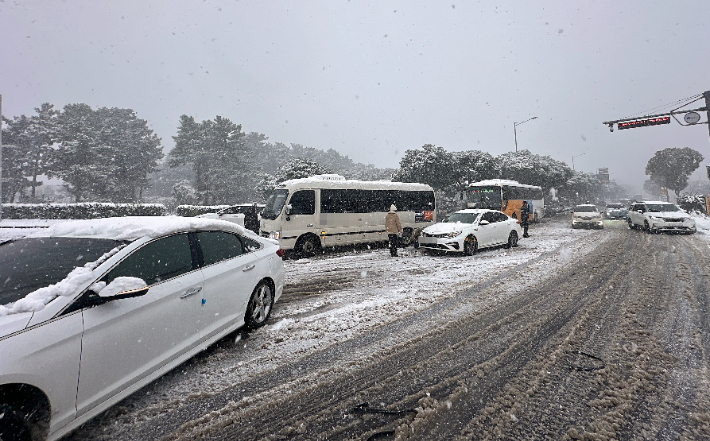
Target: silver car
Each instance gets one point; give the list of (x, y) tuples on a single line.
[(91, 311)]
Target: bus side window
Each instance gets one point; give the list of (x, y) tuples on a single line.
[(303, 202)]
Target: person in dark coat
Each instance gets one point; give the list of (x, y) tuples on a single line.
[(524, 214), (251, 220)]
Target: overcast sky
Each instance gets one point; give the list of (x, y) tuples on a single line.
[(372, 79)]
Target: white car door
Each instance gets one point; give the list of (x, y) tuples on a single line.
[(486, 233), (126, 340), (231, 271)]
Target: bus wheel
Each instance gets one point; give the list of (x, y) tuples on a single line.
[(308, 245), (470, 245)]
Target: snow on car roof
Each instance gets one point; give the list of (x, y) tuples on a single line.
[(134, 227), (474, 210)]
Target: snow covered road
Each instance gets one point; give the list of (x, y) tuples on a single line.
[(476, 346)]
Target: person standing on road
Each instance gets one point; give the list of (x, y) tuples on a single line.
[(394, 229), (251, 219), (524, 214)]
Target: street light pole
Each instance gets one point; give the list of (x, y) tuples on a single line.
[(515, 133), (576, 156)]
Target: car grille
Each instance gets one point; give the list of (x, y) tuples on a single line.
[(670, 219), (439, 236)]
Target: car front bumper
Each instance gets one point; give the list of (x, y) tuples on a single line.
[(587, 223), (453, 244), (672, 226)]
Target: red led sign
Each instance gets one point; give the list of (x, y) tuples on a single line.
[(644, 122)]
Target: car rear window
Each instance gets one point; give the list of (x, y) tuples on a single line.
[(27, 265), (585, 208)]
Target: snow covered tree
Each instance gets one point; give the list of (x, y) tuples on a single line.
[(430, 165), (106, 154), (294, 169), (531, 169), (582, 188), (29, 148), (218, 154), (671, 167), (184, 193)]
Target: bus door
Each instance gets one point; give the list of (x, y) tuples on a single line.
[(300, 215)]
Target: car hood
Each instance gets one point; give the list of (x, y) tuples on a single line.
[(14, 322), (671, 214), (446, 227)]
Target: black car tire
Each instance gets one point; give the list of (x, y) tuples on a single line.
[(646, 228), (13, 425), (512, 240), (260, 305), (470, 245)]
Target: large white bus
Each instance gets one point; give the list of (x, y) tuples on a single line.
[(506, 196), (327, 210)]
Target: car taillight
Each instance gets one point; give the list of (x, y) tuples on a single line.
[(517, 221), (280, 252)]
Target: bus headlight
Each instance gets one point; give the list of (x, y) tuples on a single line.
[(275, 235)]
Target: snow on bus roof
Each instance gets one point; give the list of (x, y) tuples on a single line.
[(134, 227), (500, 182), (337, 181)]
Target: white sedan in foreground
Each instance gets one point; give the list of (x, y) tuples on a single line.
[(91, 311), (467, 231)]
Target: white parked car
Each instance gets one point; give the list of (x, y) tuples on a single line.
[(91, 311), (586, 215), (467, 231), (655, 216)]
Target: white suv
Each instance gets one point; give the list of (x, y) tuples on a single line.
[(655, 216)]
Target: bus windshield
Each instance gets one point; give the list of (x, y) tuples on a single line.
[(275, 204), (485, 197)]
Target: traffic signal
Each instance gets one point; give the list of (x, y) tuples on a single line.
[(644, 122)]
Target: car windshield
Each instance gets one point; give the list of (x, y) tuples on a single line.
[(464, 218), (274, 204), (585, 208), (614, 206), (29, 264), (662, 207)]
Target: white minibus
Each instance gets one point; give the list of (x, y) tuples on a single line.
[(327, 210)]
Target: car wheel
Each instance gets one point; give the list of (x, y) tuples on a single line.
[(512, 240), (13, 425), (470, 245), (646, 228), (631, 225), (308, 245), (259, 307)]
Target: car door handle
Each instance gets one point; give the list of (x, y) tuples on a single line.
[(248, 268), (191, 292)]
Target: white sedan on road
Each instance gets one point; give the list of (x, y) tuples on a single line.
[(467, 231), (91, 311)]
